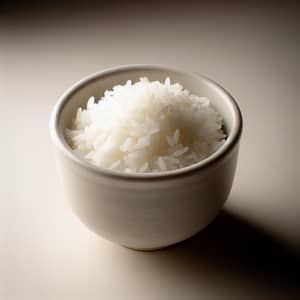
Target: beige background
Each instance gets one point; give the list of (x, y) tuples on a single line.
[(252, 249)]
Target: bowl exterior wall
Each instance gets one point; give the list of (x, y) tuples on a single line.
[(151, 213)]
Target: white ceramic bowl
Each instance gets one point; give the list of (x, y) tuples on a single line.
[(146, 211)]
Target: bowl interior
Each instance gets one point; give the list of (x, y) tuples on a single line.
[(96, 84)]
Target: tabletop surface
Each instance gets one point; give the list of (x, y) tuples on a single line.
[(251, 250)]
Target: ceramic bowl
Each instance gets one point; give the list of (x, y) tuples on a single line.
[(154, 210)]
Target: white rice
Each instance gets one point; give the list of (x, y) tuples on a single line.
[(146, 127)]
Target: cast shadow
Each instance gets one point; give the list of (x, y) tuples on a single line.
[(231, 249), (235, 244)]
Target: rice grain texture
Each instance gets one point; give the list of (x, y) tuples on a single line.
[(146, 126)]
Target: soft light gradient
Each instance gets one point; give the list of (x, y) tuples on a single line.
[(252, 249)]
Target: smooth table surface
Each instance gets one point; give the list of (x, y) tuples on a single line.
[(251, 251)]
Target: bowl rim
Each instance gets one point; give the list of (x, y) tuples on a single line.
[(58, 137)]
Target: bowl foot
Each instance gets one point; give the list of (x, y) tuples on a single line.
[(146, 249)]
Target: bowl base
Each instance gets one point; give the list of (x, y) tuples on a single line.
[(146, 249)]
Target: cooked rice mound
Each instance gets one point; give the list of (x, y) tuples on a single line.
[(146, 126)]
